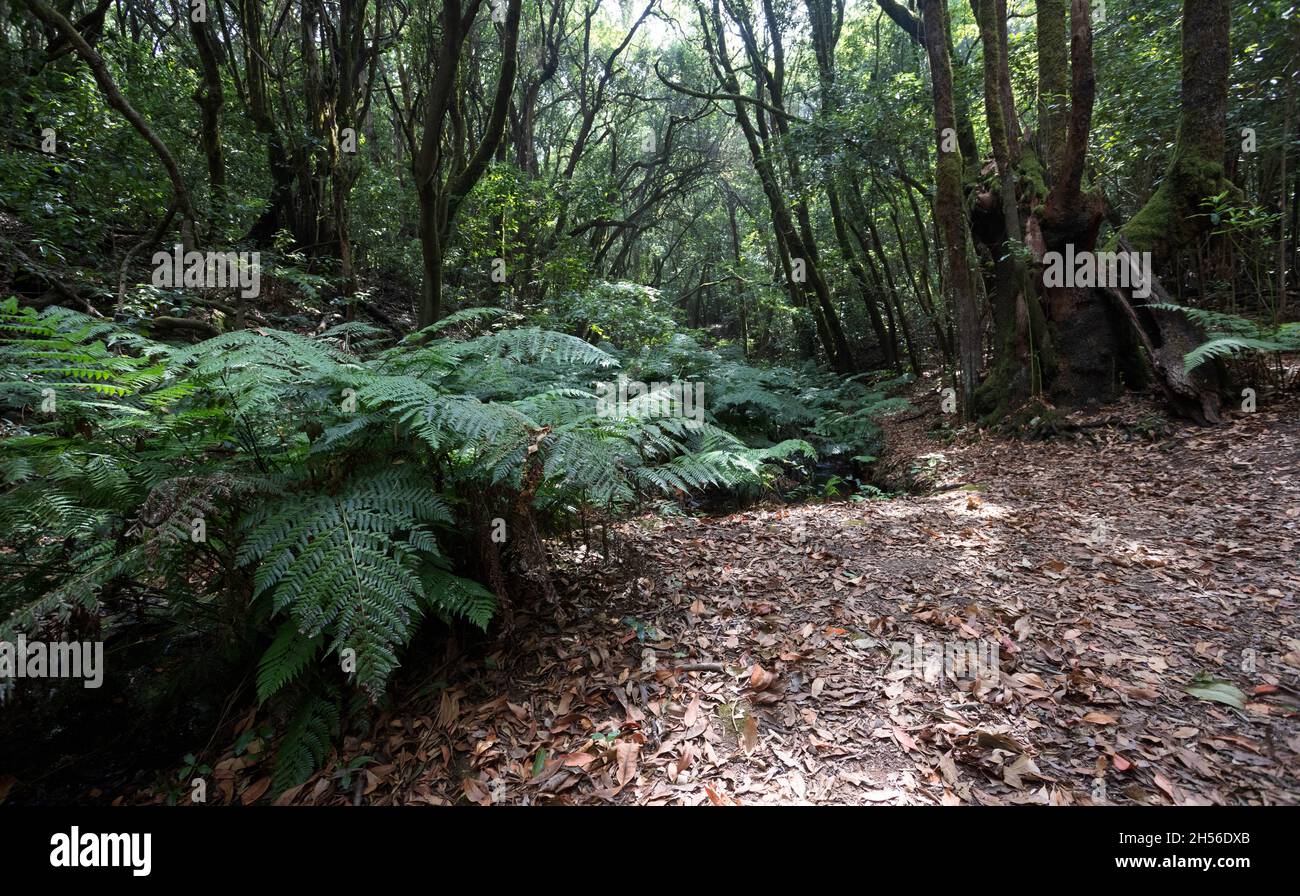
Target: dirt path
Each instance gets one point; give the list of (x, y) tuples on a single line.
[(1111, 572)]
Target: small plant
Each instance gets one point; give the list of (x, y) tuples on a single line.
[(180, 789)]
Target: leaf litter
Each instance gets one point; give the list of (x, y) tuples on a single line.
[(1141, 595)]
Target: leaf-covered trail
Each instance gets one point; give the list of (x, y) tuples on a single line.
[(1112, 572)]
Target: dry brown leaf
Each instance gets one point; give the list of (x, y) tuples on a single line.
[(692, 712), (627, 753), (254, 791), (578, 760), (751, 733), (760, 679)]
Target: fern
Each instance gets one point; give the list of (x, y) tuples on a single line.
[(337, 476), (306, 741), (1229, 334), (1281, 339), (289, 654), (349, 562)]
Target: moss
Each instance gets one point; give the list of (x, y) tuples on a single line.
[(1035, 418), (1170, 218), (1033, 180), (1149, 225), (1010, 382)]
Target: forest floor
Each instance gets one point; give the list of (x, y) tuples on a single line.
[(1138, 579)]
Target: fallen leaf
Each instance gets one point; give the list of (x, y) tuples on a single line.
[(254, 791), (760, 679), (692, 712), (751, 734), (627, 753), (1217, 691)]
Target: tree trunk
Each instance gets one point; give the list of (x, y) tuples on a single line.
[(1172, 220), (116, 100), (1053, 84), (949, 205), (210, 99)]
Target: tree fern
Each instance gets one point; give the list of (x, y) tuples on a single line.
[(306, 741), (289, 654), (332, 475)]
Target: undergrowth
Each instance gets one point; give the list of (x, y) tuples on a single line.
[(307, 502)]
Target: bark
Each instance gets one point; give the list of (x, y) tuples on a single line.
[(1019, 335), (1171, 221), (949, 205), (1166, 345), (1092, 353), (210, 98), (443, 184), (254, 93), (891, 296), (1053, 84), (1006, 94)]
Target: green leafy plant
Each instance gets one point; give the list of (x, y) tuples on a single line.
[(310, 491), (1230, 334)]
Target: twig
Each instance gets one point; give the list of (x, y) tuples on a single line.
[(699, 667), (149, 240)]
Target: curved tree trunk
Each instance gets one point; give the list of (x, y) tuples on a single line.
[(1171, 220), (114, 97)]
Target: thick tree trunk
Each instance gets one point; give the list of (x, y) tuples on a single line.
[(1092, 352), (1172, 220), (1021, 342)]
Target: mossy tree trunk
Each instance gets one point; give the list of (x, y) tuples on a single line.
[(1053, 83), (1172, 219), (949, 205), (1020, 338), (1065, 342)]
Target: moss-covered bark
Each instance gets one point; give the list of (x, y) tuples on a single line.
[(949, 206), (1053, 82), (1172, 219)]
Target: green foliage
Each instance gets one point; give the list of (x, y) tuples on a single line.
[(306, 741), (1230, 334), (764, 405), (316, 489), (629, 315)]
